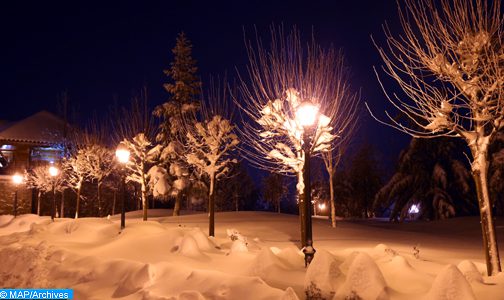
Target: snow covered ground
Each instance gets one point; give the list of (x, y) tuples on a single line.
[(172, 258)]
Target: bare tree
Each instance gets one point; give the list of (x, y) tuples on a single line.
[(280, 78), (345, 115), (449, 63)]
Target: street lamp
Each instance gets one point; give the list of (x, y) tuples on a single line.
[(17, 179), (306, 116), (122, 154), (54, 172)]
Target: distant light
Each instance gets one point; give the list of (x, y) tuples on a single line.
[(322, 206), (306, 113), (122, 154), (17, 179), (53, 171), (414, 209)]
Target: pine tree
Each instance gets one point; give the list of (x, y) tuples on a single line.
[(184, 87), (365, 179), (431, 177), (275, 189), (496, 173)]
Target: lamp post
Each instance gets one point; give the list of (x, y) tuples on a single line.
[(122, 154), (17, 179), (53, 171), (307, 115)]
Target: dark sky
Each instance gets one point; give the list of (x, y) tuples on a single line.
[(98, 51)]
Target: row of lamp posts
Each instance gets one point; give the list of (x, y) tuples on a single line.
[(122, 155), (307, 117)]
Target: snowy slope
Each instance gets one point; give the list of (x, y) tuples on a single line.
[(172, 258)]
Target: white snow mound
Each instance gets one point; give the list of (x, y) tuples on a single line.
[(450, 284), (239, 246), (322, 274), (364, 281), (204, 243), (189, 247), (135, 281), (470, 271)]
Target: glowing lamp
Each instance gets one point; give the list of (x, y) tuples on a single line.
[(322, 206), (17, 179), (414, 209), (307, 113), (122, 154), (53, 171)]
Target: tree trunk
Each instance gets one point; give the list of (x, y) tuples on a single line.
[(278, 203), (78, 200), (62, 205), (211, 207), (39, 195), (176, 207), (99, 199), (145, 203), (490, 246), (332, 200)]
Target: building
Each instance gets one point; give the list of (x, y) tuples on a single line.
[(35, 140)]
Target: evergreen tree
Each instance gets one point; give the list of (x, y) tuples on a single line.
[(236, 191), (356, 186), (431, 177), (184, 88), (275, 189), (496, 173)]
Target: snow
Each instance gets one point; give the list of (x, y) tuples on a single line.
[(254, 255), (364, 280)]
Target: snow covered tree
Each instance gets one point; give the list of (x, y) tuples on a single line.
[(98, 163), (183, 89), (274, 190), (178, 177), (37, 178), (210, 145), (134, 128), (143, 156), (430, 177), (280, 78), (73, 166), (449, 64)]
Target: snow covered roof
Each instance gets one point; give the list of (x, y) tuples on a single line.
[(40, 128)]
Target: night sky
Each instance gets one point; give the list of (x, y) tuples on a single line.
[(102, 51)]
